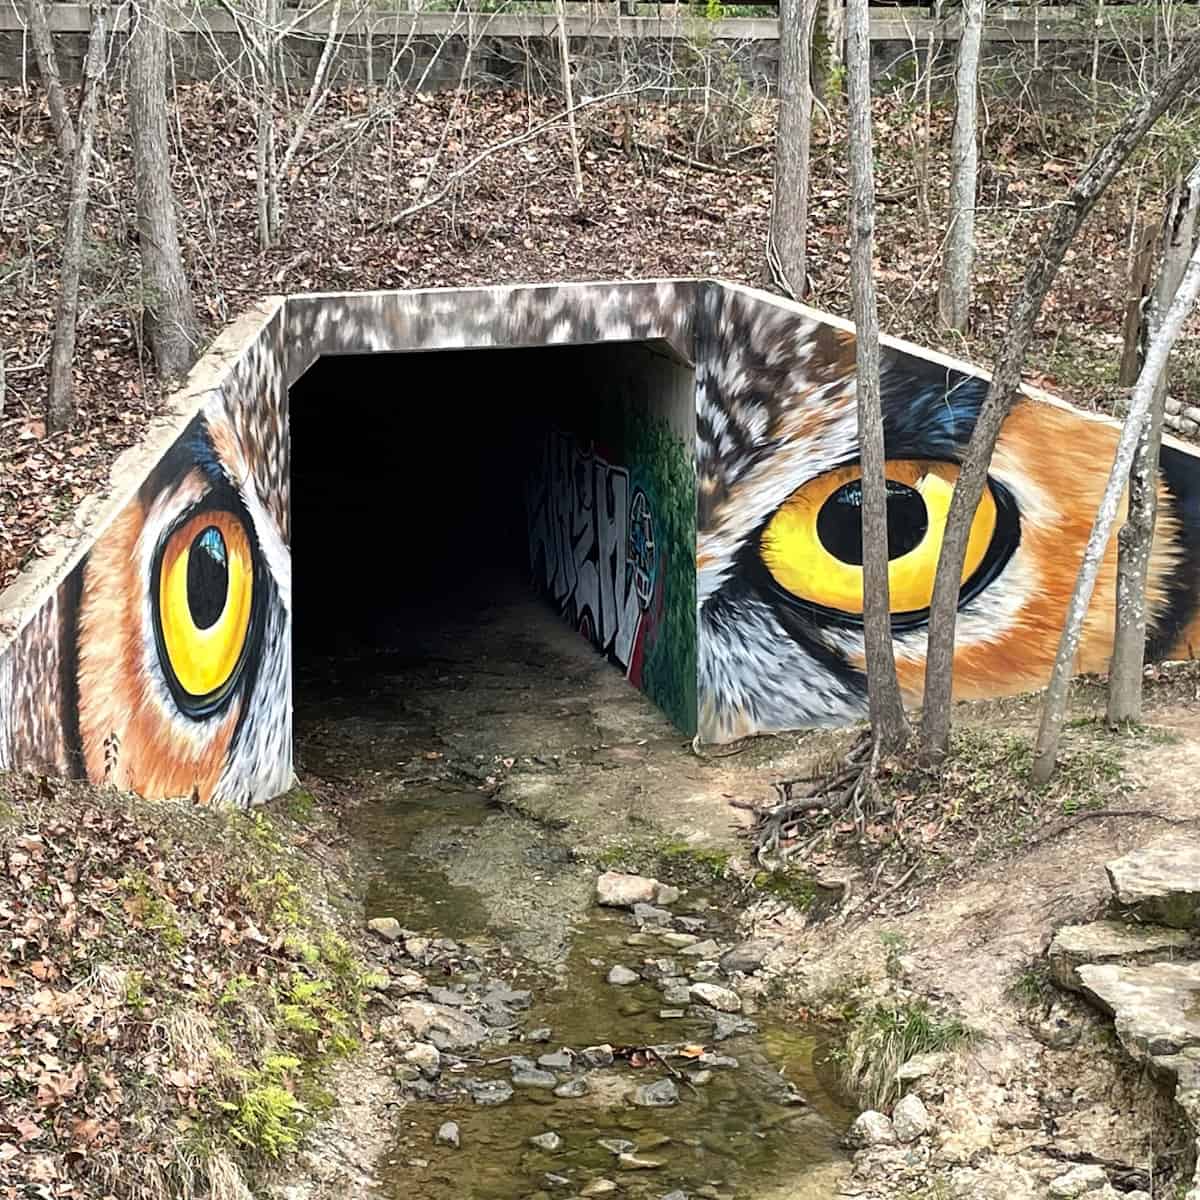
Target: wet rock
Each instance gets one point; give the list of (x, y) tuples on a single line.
[(598, 1187), (446, 1028), (622, 976), (387, 928), (524, 1077), (1078, 1182), (716, 997), (676, 996), (597, 1056), (558, 1060), (746, 957), (448, 1135), (556, 1180), (705, 949), (920, 1066), (910, 1119), (416, 947), (700, 1078), (657, 918), (706, 971), (616, 1145), (631, 1162), (490, 1091), (572, 1089), (666, 894), (446, 946), (406, 984), (617, 890), (718, 1061), (547, 1141), (661, 1094), (542, 1034), (678, 941), (425, 1058), (870, 1129), (1110, 942), (499, 993), (691, 924), (671, 1014), (1161, 884), (640, 939), (447, 996), (729, 1025), (676, 1195)]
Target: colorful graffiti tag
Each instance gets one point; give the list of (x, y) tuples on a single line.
[(592, 546)]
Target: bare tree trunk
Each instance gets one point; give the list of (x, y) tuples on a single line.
[(835, 43), (954, 292), (1141, 263), (1006, 381), (1137, 534), (169, 317), (60, 403), (564, 52), (47, 65), (889, 729), (1143, 395), (787, 237)]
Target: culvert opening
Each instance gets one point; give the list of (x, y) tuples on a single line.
[(493, 499)]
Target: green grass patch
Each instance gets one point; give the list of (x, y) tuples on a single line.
[(882, 1038)]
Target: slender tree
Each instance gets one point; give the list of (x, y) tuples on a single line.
[(1137, 534), (958, 259), (889, 728), (60, 404), (1132, 432), (787, 237), (169, 317), (47, 65), (1006, 381)]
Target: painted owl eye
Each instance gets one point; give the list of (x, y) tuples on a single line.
[(204, 594), (812, 546)]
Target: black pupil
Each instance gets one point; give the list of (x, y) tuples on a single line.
[(207, 577), (839, 523)]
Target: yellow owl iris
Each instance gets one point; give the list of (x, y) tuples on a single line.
[(206, 588), (813, 545)]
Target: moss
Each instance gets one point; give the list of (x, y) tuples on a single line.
[(684, 858), (153, 911), (300, 806), (800, 891), (1032, 985)]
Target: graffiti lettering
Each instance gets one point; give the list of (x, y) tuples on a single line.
[(591, 544)]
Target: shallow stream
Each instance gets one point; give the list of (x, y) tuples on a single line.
[(514, 896)]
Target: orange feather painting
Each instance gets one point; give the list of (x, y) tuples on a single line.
[(779, 533)]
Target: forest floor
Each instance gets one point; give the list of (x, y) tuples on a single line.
[(693, 200)]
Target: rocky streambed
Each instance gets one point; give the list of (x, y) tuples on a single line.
[(634, 1065)]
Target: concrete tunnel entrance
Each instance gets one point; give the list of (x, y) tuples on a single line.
[(426, 488)]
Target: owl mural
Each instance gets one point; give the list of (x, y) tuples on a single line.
[(161, 660), (779, 543), (162, 664)]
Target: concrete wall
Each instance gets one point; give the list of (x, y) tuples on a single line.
[(611, 505), (153, 648)]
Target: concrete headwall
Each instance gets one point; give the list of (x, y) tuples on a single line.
[(707, 536)]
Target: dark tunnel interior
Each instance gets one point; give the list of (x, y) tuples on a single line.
[(408, 482)]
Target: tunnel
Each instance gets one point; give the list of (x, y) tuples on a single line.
[(427, 488)]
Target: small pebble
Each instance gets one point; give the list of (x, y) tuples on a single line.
[(572, 1089), (387, 928), (705, 949), (546, 1141), (660, 1094), (598, 1187), (448, 1134), (542, 1034), (631, 1162), (671, 1014), (597, 1056), (617, 1145), (622, 976), (559, 1060)]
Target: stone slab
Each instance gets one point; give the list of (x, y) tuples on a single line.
[(1102, 942), (1160, 884)]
